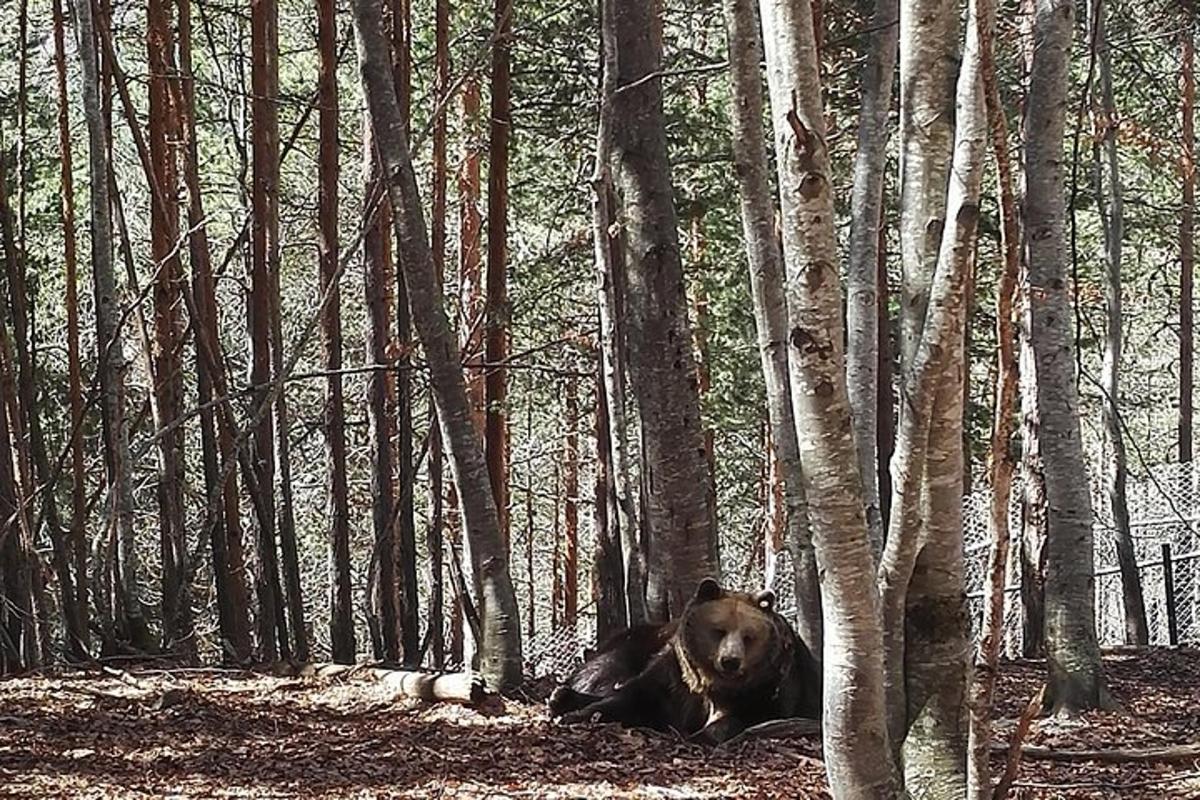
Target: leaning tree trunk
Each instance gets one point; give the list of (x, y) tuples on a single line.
[(124, 604), (609, 256), (1076, 678), (501, 643), (862, 279), (1109, 201), (770, 305), (661, 362), (857, 755)]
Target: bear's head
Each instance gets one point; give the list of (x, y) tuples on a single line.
[(729, 639)]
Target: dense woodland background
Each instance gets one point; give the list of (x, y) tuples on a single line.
[(257, 472)]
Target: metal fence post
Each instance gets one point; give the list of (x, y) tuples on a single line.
[(1169, 592)]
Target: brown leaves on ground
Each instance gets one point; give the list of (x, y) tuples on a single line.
[(230, 734)]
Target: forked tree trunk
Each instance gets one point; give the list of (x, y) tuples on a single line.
[(608, 249), (75, 608), (1001, 461), (501, 662), (1076, 677), (341, 620), (857, 754), (921, 570), (1187, 257), (662, 364), (1110, 203), (862, 279), (770, 305)]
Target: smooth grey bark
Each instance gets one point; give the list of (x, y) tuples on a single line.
[(928, 65), (612, 366), (662, 365), (1110, 204), (921, 577), (500, 659), (857, 754), (126, 607), (862, 268), (1076, 676), (770, 305)]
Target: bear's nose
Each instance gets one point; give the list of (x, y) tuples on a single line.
[(730, 664)]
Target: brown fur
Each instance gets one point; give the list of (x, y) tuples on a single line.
[(729, 662)]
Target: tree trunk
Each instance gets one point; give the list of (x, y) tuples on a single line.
[(609, 255), (497, 320), (21, 580), (341, 620), (436, 527), (224, 525), (661, 361), (857, 754), (168, 331), (379, 283), (770, 305), (264, 258), (1187, 258), (124, 604), (75, 608), (921, 570), (1110, 203), (1001, 462), (609, 563), (404, 526), (862, 279), (501, 661), (571, 505), (1076, 679)]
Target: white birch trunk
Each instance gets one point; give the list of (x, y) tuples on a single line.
[(854, 725)]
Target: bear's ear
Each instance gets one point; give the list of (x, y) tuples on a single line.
[(708, 590), (765, 599)]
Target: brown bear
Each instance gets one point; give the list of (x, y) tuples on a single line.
[(729, 662)]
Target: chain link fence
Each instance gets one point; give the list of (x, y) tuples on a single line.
[(1164, 509)]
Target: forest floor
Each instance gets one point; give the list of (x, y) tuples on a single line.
[(216, 733)]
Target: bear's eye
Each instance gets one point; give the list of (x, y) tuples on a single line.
[(748, 640), (718, 633)]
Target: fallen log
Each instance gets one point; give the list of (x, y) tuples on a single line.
[(449, 687)]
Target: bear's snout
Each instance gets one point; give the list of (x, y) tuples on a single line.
[(730, 664)]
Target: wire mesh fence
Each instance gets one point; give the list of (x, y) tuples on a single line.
[(1164, 509)]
